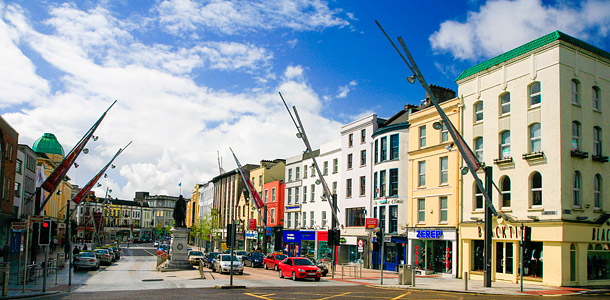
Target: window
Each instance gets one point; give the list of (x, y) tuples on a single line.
[(289, 174), (266, 196), (393, 219), (421, 210), (354, 217), (260, 180), (384, 150), (334, 187), (596, 97), (304, 194), (375, 212), (575, 86), (296, 194), (273, 195), (478, 111), (289, 195), (536, 189), (288, 220), (382, 175), (382, 218), (17, 190), (362, 185), (272, 215), (575, 136), (350, 140), (296, 219), (534, 94), (376, 151), (18, 166), (393, 183), (394, 146), (311, 219), (478, 148), (348, 188), (362, 136), (535, 140), (363, 158), (505, 191), (421, 172), (442, 201), (444, 133), (597, 191), (505, 104), (444, 171), (304, 219), (313, 193), (325, 168), (349, 161), (335, 165), (422, 136), (323, 218), (576, 186), (375, 190), (597, 141), (478, 197), (505, 144), (297, 173)]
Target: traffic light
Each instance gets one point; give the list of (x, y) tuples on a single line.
[(527, 237), (230, 233), (44, 233), (331, 238), (337, 237), (379, 235)]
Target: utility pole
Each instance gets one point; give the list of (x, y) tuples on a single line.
[(488, 228)]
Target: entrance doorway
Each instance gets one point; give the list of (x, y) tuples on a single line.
[(434, 255), (504, 260)]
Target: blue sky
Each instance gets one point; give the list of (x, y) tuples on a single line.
[(196, 77)]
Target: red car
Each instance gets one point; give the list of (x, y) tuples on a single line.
[(299, 267), (272, 260)]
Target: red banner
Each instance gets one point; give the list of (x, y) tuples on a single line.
[(252, 224), (255, 196)]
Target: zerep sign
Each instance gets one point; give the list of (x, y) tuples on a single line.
[(429, 234)]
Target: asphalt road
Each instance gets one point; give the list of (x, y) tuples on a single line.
[(284, 293)]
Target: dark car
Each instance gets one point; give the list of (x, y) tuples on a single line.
[(253, 259), (208, 257), (272, 260), (320, 264)]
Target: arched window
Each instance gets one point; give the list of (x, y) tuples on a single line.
[(478, 148), (576, 186), (478, 111), (478, 197), (575, 136), (505, 189), (504, 104), (536, 189), (534, 94), (505, 144), (535, 139), (597, 191), (597, 141), (575, 87), (596, 96)]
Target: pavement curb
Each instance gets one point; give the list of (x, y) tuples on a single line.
[(31, 295)]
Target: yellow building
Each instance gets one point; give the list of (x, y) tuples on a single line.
[(433, 185), (194, 205)]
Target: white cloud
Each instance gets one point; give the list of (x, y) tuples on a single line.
[(176, 124), (344, 90), (501, 25), (231, 17)]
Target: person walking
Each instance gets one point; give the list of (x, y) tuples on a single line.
[(75, 251)]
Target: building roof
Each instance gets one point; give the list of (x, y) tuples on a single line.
[(48, 144), (537, 43)]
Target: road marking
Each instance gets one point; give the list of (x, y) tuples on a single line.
[(259, 296), (400, 296), (333, 296)]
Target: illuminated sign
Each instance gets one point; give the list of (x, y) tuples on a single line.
[(429, 234)]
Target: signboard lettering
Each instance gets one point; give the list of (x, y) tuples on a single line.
[(429, 234), (370, 223), (601, 234)]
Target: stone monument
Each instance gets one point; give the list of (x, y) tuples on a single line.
[(179, 243)]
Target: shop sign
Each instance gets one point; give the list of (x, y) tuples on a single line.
[(383, 200), (429, 234), (252, 224), (601, 235), (290, 236), (502, 232), (251, 235), (371, 223), (289, 208)]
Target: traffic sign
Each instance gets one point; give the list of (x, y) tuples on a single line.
[(360, 245), (37, 219), (19, 225)]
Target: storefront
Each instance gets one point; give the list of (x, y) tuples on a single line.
[(433, 249), (348, 249), (252, 241), (394, 252), (299, 243)]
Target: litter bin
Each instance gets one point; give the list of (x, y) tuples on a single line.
[(404, 274), (61, 260), (4, 271)]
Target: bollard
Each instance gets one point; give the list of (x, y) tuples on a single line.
[(465, 281), (413, 277), (5, 267)]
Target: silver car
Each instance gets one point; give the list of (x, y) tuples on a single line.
[(222, 264), (86, 260), (104, 256)]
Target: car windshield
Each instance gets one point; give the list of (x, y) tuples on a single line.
[(241, 253), (228, 258), (280, 257), (258, 255), (198, 253), (212, 255), (101, 251), (302, 262), (86, 254)]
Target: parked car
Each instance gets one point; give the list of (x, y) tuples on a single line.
[(298, 268), (117, 250), (222, 263), (271, 261), (194, 257), (240, 254), (104, 256), (86, 259), (113, 254), (156, 244), (208, 257), (253, 259), (320, 264)]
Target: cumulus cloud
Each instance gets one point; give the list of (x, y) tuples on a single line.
[(501, 25), (344, 90), (231, 17)]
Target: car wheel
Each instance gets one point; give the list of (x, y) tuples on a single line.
[(294, 276), (275, 267), (317, 278), (266, 268), (281, 275)]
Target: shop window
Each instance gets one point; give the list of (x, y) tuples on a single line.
[(504, 257), (532, 260), (478, 249), (596, 98), (598, 262), (574, 88), (534, 94), (505, 104), (393, 219)]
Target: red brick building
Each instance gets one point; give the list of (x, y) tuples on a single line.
[(8, 162)]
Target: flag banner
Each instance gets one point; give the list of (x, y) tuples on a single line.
[(52, 182), (255, 196)]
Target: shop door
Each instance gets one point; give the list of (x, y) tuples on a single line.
[(504, 260), (391, 256)]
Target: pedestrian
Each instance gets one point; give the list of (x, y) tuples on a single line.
[(75, 251), (85, 247)]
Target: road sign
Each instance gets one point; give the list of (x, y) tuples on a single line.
[(19, 225), (360, 245), (37, 219)]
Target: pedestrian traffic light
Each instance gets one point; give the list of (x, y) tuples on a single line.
[(337, 237), (230, 233), (331, 238), (527, 236), (44, 233), (379, 235)]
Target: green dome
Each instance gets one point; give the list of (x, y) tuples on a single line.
[(48, 144)]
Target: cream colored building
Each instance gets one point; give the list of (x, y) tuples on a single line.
[(433, 186), (537, 115)]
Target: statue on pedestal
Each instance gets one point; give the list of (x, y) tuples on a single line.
[(180, 212)]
